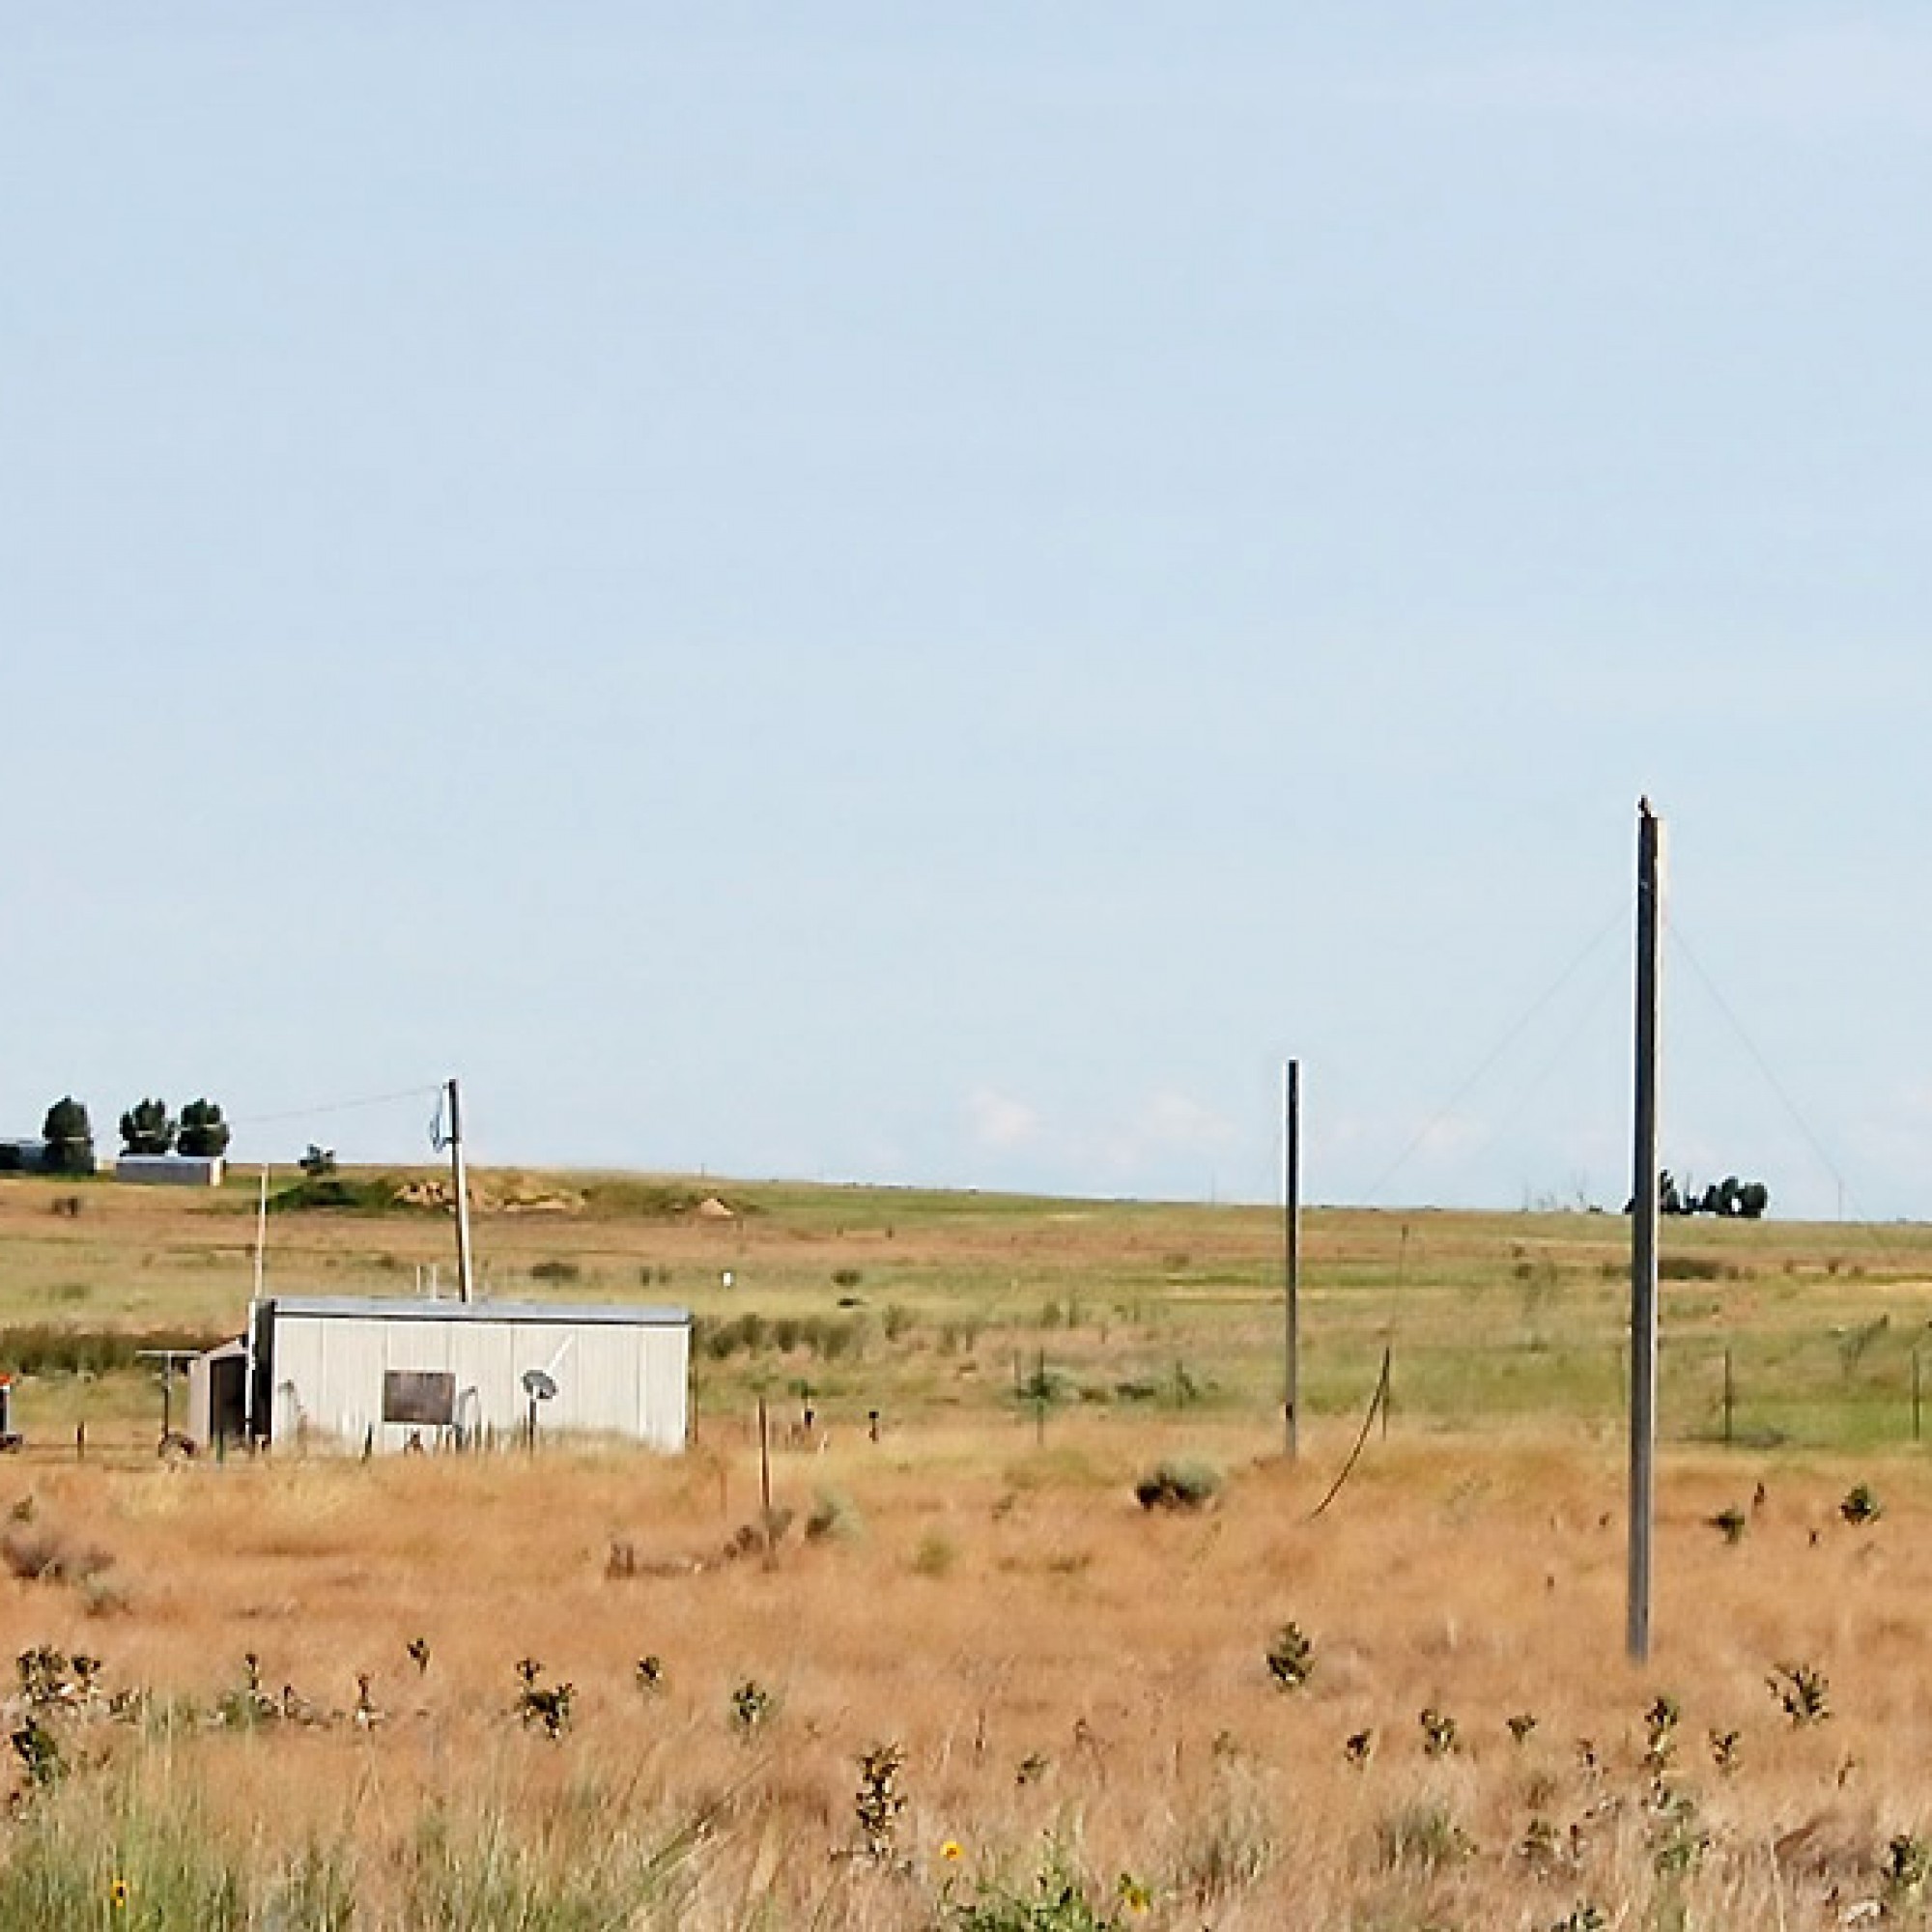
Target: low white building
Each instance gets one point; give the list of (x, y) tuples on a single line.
[(171, 1170), (388, 1375)]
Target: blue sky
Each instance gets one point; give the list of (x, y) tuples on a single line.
[(924, 594)]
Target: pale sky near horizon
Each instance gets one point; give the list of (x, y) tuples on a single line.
[(915, 594)]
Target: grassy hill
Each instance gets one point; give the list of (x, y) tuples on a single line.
[(913, 1301)]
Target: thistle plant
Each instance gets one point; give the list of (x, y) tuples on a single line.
[(1908, 1864), (1439, 1732), (1677, 1837), (1730, 1522), (1291, 1658), (751, 1705), (879, 1802), (43, 1676), (1660, 1723), (1860, 1507), (544, 1707), (1588, 1917), (39, 1753), (1802, 1694)]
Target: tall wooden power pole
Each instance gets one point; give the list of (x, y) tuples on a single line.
[(1644, 1230), (1291, 1209)]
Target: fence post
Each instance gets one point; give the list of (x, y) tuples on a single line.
[(1728, 1395)]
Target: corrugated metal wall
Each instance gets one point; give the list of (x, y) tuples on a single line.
[(612, 1378)]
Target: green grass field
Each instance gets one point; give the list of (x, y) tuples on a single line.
[(919, 1304)]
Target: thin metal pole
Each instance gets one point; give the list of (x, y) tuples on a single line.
[(765, 1459), (1729, 1398), (1643, 1233), (1917, 1432), (459, 1180), (1290, 1214), (261, 1230)]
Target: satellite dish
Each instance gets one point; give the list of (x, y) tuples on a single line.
[(539, 1384)]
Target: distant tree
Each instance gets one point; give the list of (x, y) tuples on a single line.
[(204, 1133), (319, 1162), (1729, 1199), (70, 1138), (148, 1127)]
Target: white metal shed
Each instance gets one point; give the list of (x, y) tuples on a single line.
[(390, 1373)]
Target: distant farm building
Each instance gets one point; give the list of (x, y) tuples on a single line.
[(22, 1156), (170, 1170), (388, 1375)]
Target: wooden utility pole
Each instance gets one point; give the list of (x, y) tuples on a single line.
[(1643, 1232), (459, 1180), (1291, 1213)]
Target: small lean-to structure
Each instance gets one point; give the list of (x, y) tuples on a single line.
[(380, 1375)]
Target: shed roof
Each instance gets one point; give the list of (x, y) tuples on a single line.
[(552, 1314)]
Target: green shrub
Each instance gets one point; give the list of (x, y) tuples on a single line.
[(1692, 1268), (1178, 1484), (935, 1555), (1056, 1898), (335, 1193), (834, 1514), (47, 1348)]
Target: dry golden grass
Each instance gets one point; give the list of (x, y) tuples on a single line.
[(1058, 1666), (1074, 1667)]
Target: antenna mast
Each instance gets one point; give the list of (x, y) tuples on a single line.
[(261, 1229), (459, 1180)]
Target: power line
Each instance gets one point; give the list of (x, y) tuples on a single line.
[(335, 1107), (1762, 1063), (1496, 1053)]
